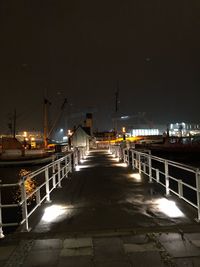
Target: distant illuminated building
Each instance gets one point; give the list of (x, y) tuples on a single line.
[(184, 129), (144, 132)]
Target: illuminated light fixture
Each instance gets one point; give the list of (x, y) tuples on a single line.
[(124, 165), (169, 208), (77, 168), (115, 159), (53, 212), (136, 176), (61, 130)]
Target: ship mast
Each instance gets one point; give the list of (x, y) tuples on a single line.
[(116, 105), (46, 126)]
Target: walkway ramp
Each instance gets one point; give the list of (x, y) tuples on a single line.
[(103, 194), (107, 215)]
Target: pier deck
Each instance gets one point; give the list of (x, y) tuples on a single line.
[(104, 215)]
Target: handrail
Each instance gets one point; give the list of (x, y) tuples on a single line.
[(52, 176), (144, 162)]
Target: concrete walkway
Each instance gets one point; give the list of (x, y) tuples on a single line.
[(106, 215)]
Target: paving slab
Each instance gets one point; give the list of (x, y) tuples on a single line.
[(192, 236), (137, 239), (75, 262), (47, 244), (77, 243), (42, 258), (112, 263), (67, 252), (179, 249), (169, 237), (6, 251), (187, 262), (130, 248), (146, 259), (106, 248)]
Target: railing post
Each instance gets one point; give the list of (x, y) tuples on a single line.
[(133, 163), (139, 162), (150, 168), (59, 176), (66, 167), (54, 175), (47, 185), (63, 172), (38, 198), (167, 178), (180, 188), (145, 168), (128, 157), (75, 157), (157, 176), (198, 192), (71, 156), (1, 221), (24, 204), (124, 155)]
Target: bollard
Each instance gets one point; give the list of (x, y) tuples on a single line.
[(1, 222)]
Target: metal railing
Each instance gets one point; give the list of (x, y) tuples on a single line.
[(47, 179), (179, 179)]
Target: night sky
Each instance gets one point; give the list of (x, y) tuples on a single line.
[(80, 49)]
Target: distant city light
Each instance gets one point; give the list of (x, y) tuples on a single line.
[(124, 117), (69, 132)]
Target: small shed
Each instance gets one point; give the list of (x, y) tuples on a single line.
[(81, 137)]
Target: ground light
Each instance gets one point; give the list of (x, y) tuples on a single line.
[(53, 212), (135, 176), (169, 208), (121, 165), (115, 159)]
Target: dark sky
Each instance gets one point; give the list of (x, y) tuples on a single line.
[(79, 49)]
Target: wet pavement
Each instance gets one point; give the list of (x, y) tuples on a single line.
[(106, 215)]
